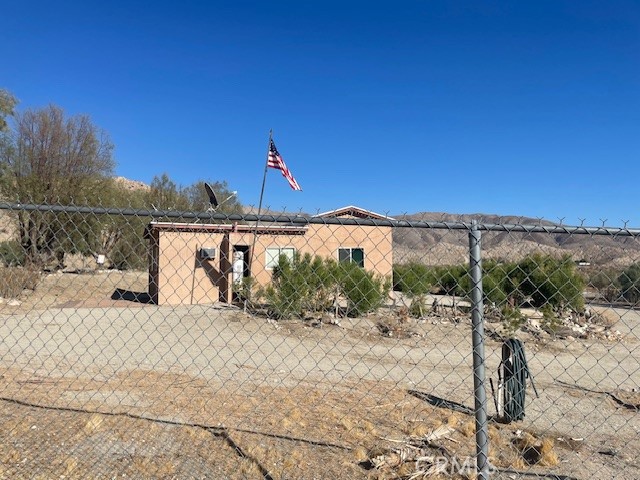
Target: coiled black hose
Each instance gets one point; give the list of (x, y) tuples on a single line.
[(515, 373)]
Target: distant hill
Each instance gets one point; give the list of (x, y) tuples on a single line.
[(450, 247), (131, 184), (446, 247)]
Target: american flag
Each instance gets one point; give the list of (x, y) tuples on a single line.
[(274, 160)]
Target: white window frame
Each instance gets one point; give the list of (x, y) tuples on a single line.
[(271, 261), (351, 249)]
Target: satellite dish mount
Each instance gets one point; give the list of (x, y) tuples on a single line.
[(213, 200)]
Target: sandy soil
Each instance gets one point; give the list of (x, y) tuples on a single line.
[(97, 387)]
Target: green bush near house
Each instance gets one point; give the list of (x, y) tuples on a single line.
[(300, 286), (415, 279), (537, 280), (452, 280), (309, 284), (364, 291)]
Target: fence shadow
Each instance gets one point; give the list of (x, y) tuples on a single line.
[(442, 402)]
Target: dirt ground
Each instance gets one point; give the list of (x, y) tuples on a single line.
[(97, 383)]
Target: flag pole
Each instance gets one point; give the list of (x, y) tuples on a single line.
[(264, 177), (255, 229)]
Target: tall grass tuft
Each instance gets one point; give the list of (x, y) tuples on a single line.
[(13, 280)]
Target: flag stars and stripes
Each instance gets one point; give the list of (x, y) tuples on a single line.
[(274, 160)]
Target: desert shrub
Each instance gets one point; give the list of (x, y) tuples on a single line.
[(606, 283), (512, 318), (243, 290), (496, 283), (311, 284), (11, 254), (13, 280), (287, 291), (322, 277), (412, 278), (629, 281), (452, 279), (550, 321), (364, 291), (602, 280), (544, 279), (301, 285), (537, 279), (418, 307)]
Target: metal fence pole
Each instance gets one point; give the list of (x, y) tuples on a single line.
[(477, 320)]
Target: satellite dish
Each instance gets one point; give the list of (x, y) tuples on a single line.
[(212, 196)]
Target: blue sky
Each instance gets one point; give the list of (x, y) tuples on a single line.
[(525, 108)]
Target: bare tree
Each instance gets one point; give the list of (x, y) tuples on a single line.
[(49, 158)]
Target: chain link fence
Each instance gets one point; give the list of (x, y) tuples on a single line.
[(164, 344)]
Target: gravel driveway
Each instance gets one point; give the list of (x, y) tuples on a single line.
[(575, 378)]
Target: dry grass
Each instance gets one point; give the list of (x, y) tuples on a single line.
[(605, 317), (396, 327), (185, 426), (13, 280), (536, 451)]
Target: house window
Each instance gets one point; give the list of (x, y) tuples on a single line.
[(274, 253), (355, 255)]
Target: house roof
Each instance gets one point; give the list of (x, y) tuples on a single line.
[(350, 211), (353, 211), (226, 227)]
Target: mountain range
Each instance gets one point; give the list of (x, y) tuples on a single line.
[(449, 247)]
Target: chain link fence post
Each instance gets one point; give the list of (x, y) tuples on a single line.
[(479, 388)]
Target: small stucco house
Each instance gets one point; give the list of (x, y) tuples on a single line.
[(194, 263)]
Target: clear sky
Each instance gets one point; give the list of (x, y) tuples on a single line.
[(525, 108)]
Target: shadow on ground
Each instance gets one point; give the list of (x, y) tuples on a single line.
[(441, 402), (131, 296)]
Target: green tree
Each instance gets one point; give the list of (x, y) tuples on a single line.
[(7, 108), (452, 279), (123, 239), (495, 281), (120, 238)]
